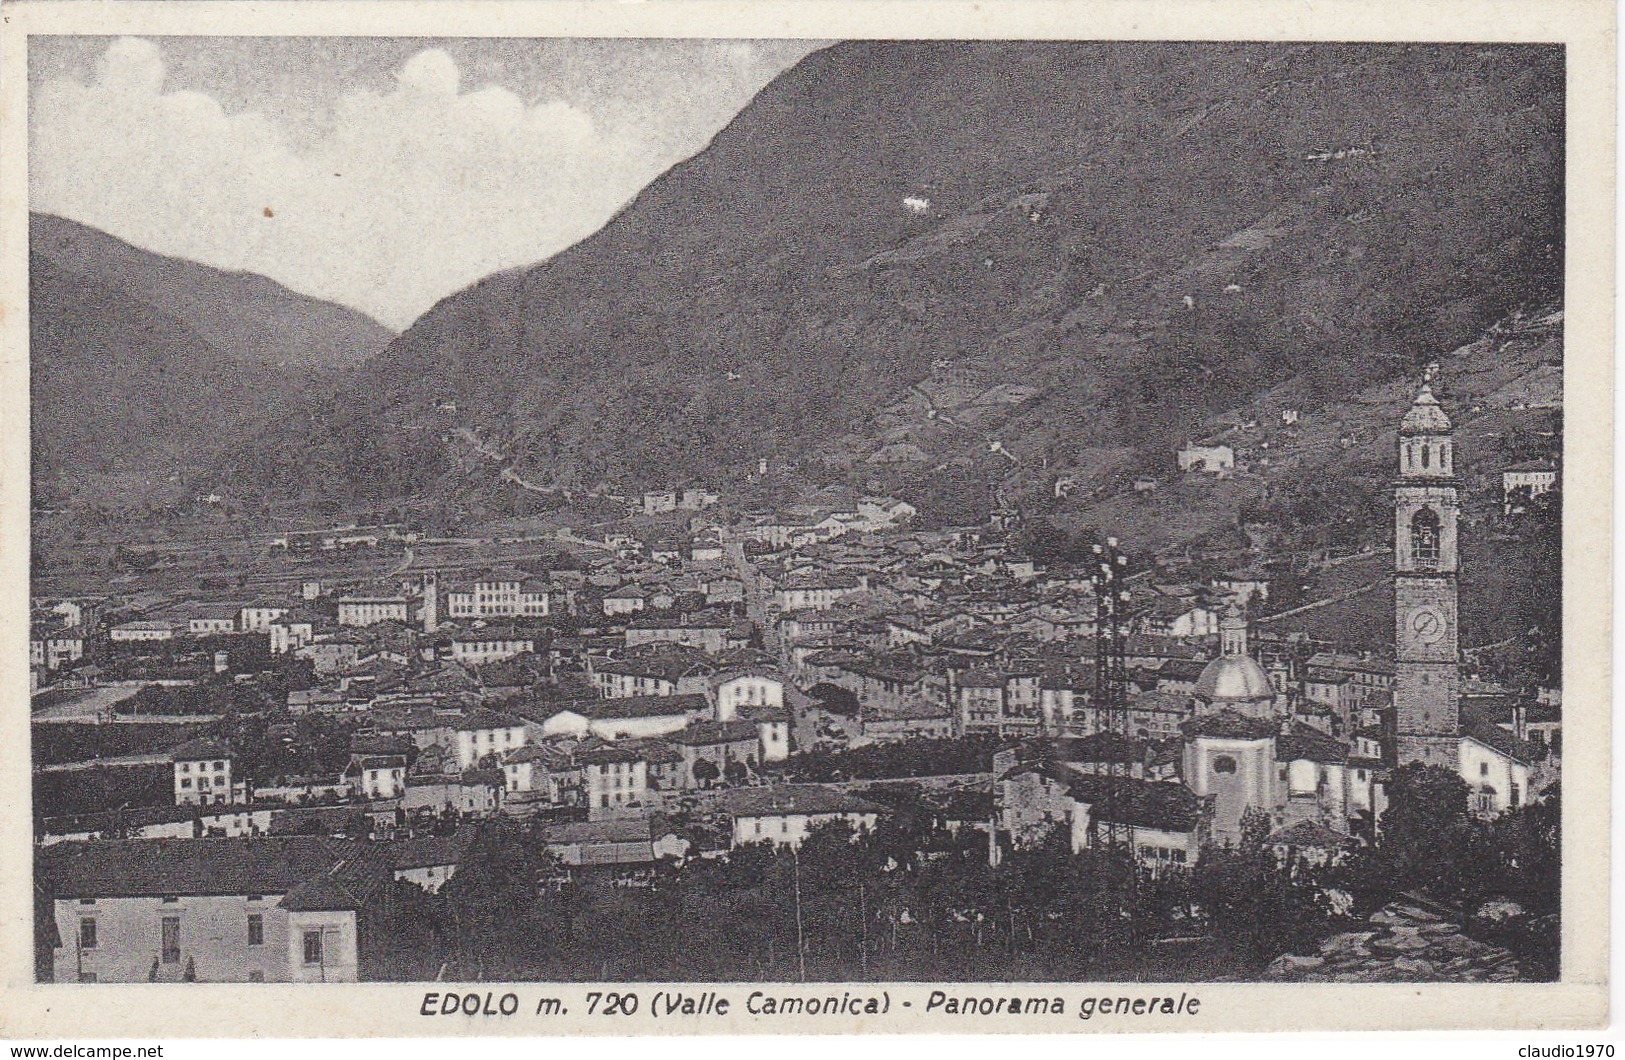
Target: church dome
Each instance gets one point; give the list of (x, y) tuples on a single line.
[(1426, 415), (1233, 678)]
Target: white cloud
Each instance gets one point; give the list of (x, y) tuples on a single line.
[(405, 197)]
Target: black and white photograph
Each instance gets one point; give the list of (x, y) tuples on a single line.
[(800, 514)]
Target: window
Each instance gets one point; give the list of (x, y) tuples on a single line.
[(170, 934), (1224, 764), (186, 782), (87, 933), (218, 766), (87, 901), (1483, 769), (186, 767), (313, 947), (1515, 796), (256, 929), (1425, 536)]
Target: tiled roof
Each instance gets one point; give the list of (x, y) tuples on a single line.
[(711, 733), (425, 851), (1165, 805), (615, 830), (313, 872), (793, 799), (1229, 725), (634, 706), (484, 719), (1506, 744), (1327, 660), (1100, 747), (1181, 669), (1309, 834), (611, 752), (550, 757), (1303, 742), (200, 749)]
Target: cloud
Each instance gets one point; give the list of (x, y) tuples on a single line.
[(404, 196)]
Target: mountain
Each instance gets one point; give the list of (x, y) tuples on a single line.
[(964, 270), (143, 367), (242, 315)]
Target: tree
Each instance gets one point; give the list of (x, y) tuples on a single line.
[(737, 772), (706, 772), (1260, 905), (1427, 835), (492, 891), (1543, 586)]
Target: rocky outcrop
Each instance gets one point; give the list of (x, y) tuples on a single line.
[(1402, 943)]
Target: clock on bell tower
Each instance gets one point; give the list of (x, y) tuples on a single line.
[(1427, 673)]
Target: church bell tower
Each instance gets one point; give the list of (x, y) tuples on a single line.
[(1427, 673)]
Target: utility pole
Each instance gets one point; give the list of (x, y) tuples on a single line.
[(863, 913), (1111, 685), (801, 942)]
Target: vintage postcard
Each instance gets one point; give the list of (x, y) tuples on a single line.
[(759, 518)]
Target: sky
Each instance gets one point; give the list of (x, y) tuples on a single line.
[(379, 173)]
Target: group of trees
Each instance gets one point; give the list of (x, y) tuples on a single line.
[(905, 902), (893, 760), (846, 906), (1048, 544)]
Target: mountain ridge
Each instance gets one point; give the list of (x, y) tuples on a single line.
[(242, 314), (767, 298), (144, 368)]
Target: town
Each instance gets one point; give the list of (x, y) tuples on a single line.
[(825, 739)]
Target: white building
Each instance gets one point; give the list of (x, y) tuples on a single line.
[(747, 689), (786, 813), (202, 770), (369, 610), (485, 732), (1524, 482), (630, 717), (257, 618), (377, 777), (476, 647), (815, 590), (272, 909), (499, 597), (616, 778), (627, 600), (1502, 771), (153, 630), (1211, 459)]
